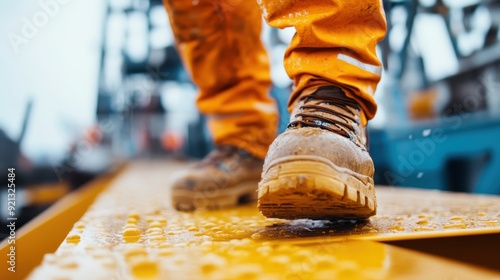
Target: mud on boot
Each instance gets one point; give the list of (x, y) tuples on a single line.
[(319, 168), (228, 176)]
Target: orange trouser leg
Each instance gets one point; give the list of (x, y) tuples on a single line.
[(335, 43), (219, 42)]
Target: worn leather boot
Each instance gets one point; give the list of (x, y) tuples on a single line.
[(226, 177), (319, 168)]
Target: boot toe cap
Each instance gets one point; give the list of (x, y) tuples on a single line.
[(310, 141)]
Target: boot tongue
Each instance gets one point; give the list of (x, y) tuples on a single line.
[(326, 96), (218, 155), (327, 92), (330, 91)]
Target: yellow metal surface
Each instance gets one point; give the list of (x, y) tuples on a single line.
[(131, 231), (45, 233), (46, 193)]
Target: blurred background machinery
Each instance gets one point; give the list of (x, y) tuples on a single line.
[(101, 82), (442, 60), (144, 87)]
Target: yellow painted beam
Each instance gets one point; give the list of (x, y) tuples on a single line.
[(45, 233), (132, 231)]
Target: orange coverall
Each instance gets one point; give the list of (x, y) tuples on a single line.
[(219, 42)]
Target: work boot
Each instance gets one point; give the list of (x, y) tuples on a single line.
[(226, 177), (319, 168)]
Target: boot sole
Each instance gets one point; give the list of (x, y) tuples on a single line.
[(189, 200), (311, 187)]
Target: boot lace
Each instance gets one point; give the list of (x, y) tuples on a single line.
[(315, 102)]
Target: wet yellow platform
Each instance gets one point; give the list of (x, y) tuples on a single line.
[(131, 231)]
